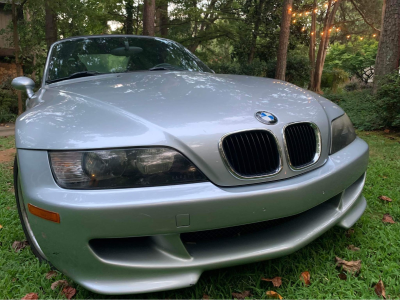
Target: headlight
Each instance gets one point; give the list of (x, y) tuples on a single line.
[(343, 133), (122, 168)]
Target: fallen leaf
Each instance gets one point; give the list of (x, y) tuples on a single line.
[(69, 292), (388, 219), (342, 276), (205, 297), (276, 281), (30, 296), (349, 266), (55, 284), (240, 296), (1, 226), (350, 232), (353, 248), (275, 295), (18, 246), (305, 277), (380, 289), (367, 133), (385, 198), (51, 274), (386, 131)]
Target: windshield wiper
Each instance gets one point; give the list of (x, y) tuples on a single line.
[(75, 75), (167, 67)]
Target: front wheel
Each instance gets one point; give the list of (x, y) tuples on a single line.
[(23, 216)]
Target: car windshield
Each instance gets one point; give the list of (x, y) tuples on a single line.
[(90, 56)]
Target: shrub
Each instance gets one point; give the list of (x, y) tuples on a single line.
[(8, 106), (388, 99), (256, 68), (297, 69), (332, 78), (361, 107)]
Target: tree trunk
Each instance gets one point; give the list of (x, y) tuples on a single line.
[(387, 59), (50, 24), (323, 45), (16, 50), (259, 9), (311, 53), (162, 18), (283, 40), (149, 9), (129, 17)]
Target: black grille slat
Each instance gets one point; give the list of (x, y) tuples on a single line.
[(258, 153), (232, 232), (260, 147), (301, 143)]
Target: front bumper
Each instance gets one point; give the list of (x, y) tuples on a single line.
[(157, 259)]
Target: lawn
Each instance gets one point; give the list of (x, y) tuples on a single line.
[(21, 273)]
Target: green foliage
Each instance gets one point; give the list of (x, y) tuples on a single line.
[(354, 58), (8, 106), (297, 69), (361, 107), (372, 112), (333, 78), (388, 98), (256, 68)]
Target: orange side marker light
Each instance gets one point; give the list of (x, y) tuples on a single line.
[(43, 213)]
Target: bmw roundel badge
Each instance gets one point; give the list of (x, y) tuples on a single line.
[(266, 117)]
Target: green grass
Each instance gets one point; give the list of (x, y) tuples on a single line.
[(21, 273)]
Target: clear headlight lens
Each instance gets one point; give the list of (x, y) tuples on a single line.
[(122, 168), (343, 133)]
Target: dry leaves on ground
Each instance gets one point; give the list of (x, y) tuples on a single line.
[(353, 266), (342, 276), (380, 289), (57, 283), (386, 131), (349, 232), (275, 295), (1, 226), (7, 155), (69, 292), (305, 277), (51, 274), (353, 248), (387, 218), (205, 297), (242, 295), (385, 198), (30, 296), (276, 281), (18, 246)]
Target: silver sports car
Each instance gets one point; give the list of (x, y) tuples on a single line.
[(138, 168)]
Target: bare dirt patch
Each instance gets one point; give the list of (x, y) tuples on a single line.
[(7, 155)]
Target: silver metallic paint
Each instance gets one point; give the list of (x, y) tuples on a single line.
[(190, 112), (187, 111), (163, 264), (23, 83)]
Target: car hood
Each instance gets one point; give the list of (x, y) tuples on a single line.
[(188, 111)]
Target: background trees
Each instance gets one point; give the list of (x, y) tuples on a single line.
[(317, 44)]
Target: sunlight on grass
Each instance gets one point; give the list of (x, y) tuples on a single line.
[(20, 273)]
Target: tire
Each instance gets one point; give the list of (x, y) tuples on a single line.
[(23, 216)]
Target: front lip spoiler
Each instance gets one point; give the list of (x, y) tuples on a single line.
[(150, 212), (268, 244)]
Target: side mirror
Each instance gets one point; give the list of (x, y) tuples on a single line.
[(24, 84)]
